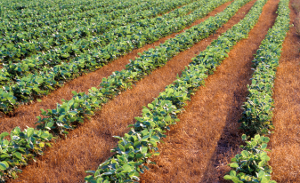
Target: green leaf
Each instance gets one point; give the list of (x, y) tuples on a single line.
[(244, 137), (227, 177), (261, 174), (236, 180), (245, 153), (4, 134), (150, 106), (135, 175), (264, 180), (126, 168), (232, 173), (3, 165), (144, 150), (30, 132), (50, 124), (167, 118), (146, 110), (45, 135), (257, 137), (18, 155), (155, 138), (264, 146), (42, 145), (265, 139), (234, 165)]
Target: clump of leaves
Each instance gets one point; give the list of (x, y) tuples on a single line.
[(22, 147), (251, 165)]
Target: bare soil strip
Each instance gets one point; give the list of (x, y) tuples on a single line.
[(90, 144), (285, 142), (26, 115), (201, 145)]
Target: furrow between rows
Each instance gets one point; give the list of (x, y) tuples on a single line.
[(92, 141), (285, 142), (201, 145), (26, 115), (120, 42)]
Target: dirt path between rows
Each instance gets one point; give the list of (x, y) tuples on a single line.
[(26, 115), (201, 145), (90, 144), (285, 142)]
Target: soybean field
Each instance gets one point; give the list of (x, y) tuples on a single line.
[(101, 91)]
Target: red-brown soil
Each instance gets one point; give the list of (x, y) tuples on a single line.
[(296, 7), (26, 115), (201, 145), (90, 144), (285, 142)]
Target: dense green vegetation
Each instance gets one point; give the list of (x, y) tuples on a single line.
[(44, 45), (252, 164), (134, 149), (63, 118), (96, 53)]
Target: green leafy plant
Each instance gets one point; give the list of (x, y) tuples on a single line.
[(20, 43), (30, 86), (137, 69), (252, 164), (164, 110), (22, 146), (135, 148), (68, 114)]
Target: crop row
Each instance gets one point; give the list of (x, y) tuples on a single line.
[(251, 165), (23, 13), (15, 30), (59, 35), (79, 46), (25, 31), (141, 66), (135, 148), (146, 31), (23, 146), (20, 44), (15, 5)]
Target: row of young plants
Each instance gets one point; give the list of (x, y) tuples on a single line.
[(85, 30), (137, 69), (140, 143), (25, 31), (81, 46), (16, 5), (65, 117), (251, 165), (20, 44), (59, 36), (17, 24), (29, 87), (50, 10), (62, 8), (56, 15)]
